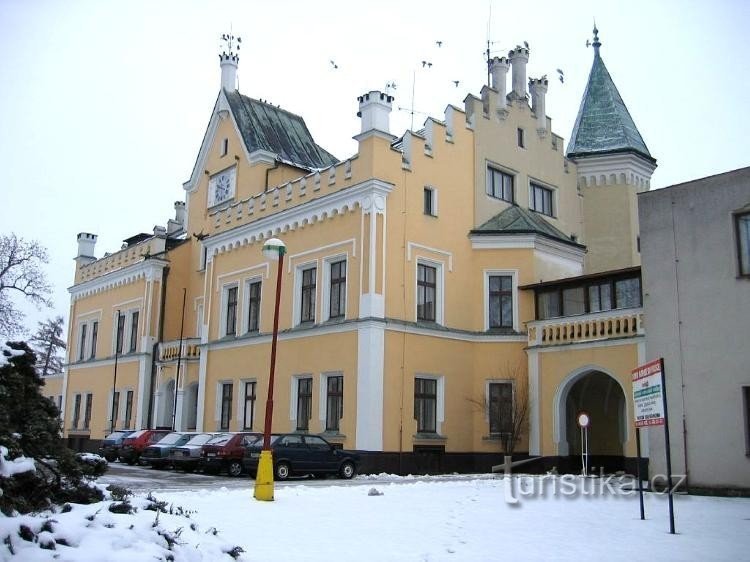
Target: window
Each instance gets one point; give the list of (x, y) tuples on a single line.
[(253, 306), (519, 134), (94, 336), (307, 311), (628, 293), (120, 332), (426, 292), (425, 405), (500, 301), (224, 147), (574, 301), (76, 411), (115, 407), (249, 414), (226, 406), (231, 312), (134, 331), (334, 402), (82, 344), (87, 411), (743, 242), (128, 409), (304, 403), (541, 200), (338, 289), (430, 201), (500, 407), (548, 305), (499, 185), (600, 297)]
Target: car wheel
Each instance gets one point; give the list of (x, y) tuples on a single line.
[(111, 457), (131, 461), (234, 468), (282, 471), (347, 470)]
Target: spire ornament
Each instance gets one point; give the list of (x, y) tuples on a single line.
[(596, 44)]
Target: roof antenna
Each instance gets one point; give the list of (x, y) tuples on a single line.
[(489, 21)]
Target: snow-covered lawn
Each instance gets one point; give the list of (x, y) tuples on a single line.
[(463, 519)]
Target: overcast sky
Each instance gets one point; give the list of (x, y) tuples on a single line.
[(103, 105)]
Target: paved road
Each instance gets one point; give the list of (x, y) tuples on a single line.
[(145, 479)]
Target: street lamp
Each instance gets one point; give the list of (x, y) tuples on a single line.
[(273, 249)]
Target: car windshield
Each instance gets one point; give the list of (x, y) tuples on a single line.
[(222, 439), (170, 439), (199, 439), (116, 435), (137, 433)]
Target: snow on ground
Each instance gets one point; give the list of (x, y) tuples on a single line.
[(433, 520)]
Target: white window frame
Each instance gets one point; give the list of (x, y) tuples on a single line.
[(241, 404), (440, 399), (297, 300), (245, 309), (553, 200), (82, 350), (439, 286), (127, 329), (490, 165), (294, 388), (434, 195), (327, 262), (487, 384), (224, 302), (513, 273), (218, 400), (323, 396), (123, 407)]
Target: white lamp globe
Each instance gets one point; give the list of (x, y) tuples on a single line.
[(273, 248)]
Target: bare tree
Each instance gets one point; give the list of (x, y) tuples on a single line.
[(20, 274), (47, 342)]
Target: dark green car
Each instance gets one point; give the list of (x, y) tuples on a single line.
[(157, 455)]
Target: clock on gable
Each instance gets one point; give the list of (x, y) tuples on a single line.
[(221, 187)]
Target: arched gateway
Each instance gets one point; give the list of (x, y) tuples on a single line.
[(601, 395)]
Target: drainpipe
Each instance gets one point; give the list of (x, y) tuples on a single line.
[(155, 349)]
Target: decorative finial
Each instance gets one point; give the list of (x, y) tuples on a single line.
[(596, 44)]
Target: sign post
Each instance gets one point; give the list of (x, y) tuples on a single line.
[(638, 470), (584, 421), (650, 408)]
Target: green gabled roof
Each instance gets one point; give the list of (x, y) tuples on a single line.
[(603, 124), (266, 127), (517, 220)]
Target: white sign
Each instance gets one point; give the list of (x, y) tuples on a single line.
[(648, 397)]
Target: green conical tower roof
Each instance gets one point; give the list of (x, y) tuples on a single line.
[(604, 125)]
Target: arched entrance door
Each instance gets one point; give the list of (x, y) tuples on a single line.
[(166, 404), (191, 406), (602, 397)]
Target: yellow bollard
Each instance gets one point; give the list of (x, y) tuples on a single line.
[(264, 477)]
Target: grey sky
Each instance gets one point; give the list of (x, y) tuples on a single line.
[(103, 105)]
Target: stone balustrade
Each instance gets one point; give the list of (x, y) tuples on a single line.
[(283, 196), (170, 350), (611, 324)]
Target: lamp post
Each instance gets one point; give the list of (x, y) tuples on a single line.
[(273, 249)]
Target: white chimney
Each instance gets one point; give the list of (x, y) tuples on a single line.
[(86, 244), (518, 58), (499, 69), (228, 63), (375, 110), (538, 88), (180, 213)]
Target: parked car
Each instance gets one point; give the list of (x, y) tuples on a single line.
[(134, 444), (225, 452), (296, 454), (157, 455), (188, 455), (112, 443)]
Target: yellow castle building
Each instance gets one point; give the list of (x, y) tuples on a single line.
[(447, 294)]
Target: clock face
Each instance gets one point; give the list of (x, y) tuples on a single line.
[(222, 188)]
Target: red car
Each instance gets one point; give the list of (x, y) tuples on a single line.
[(134, 444), (225, 452)]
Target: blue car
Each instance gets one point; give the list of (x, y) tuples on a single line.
[(296, 454)]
